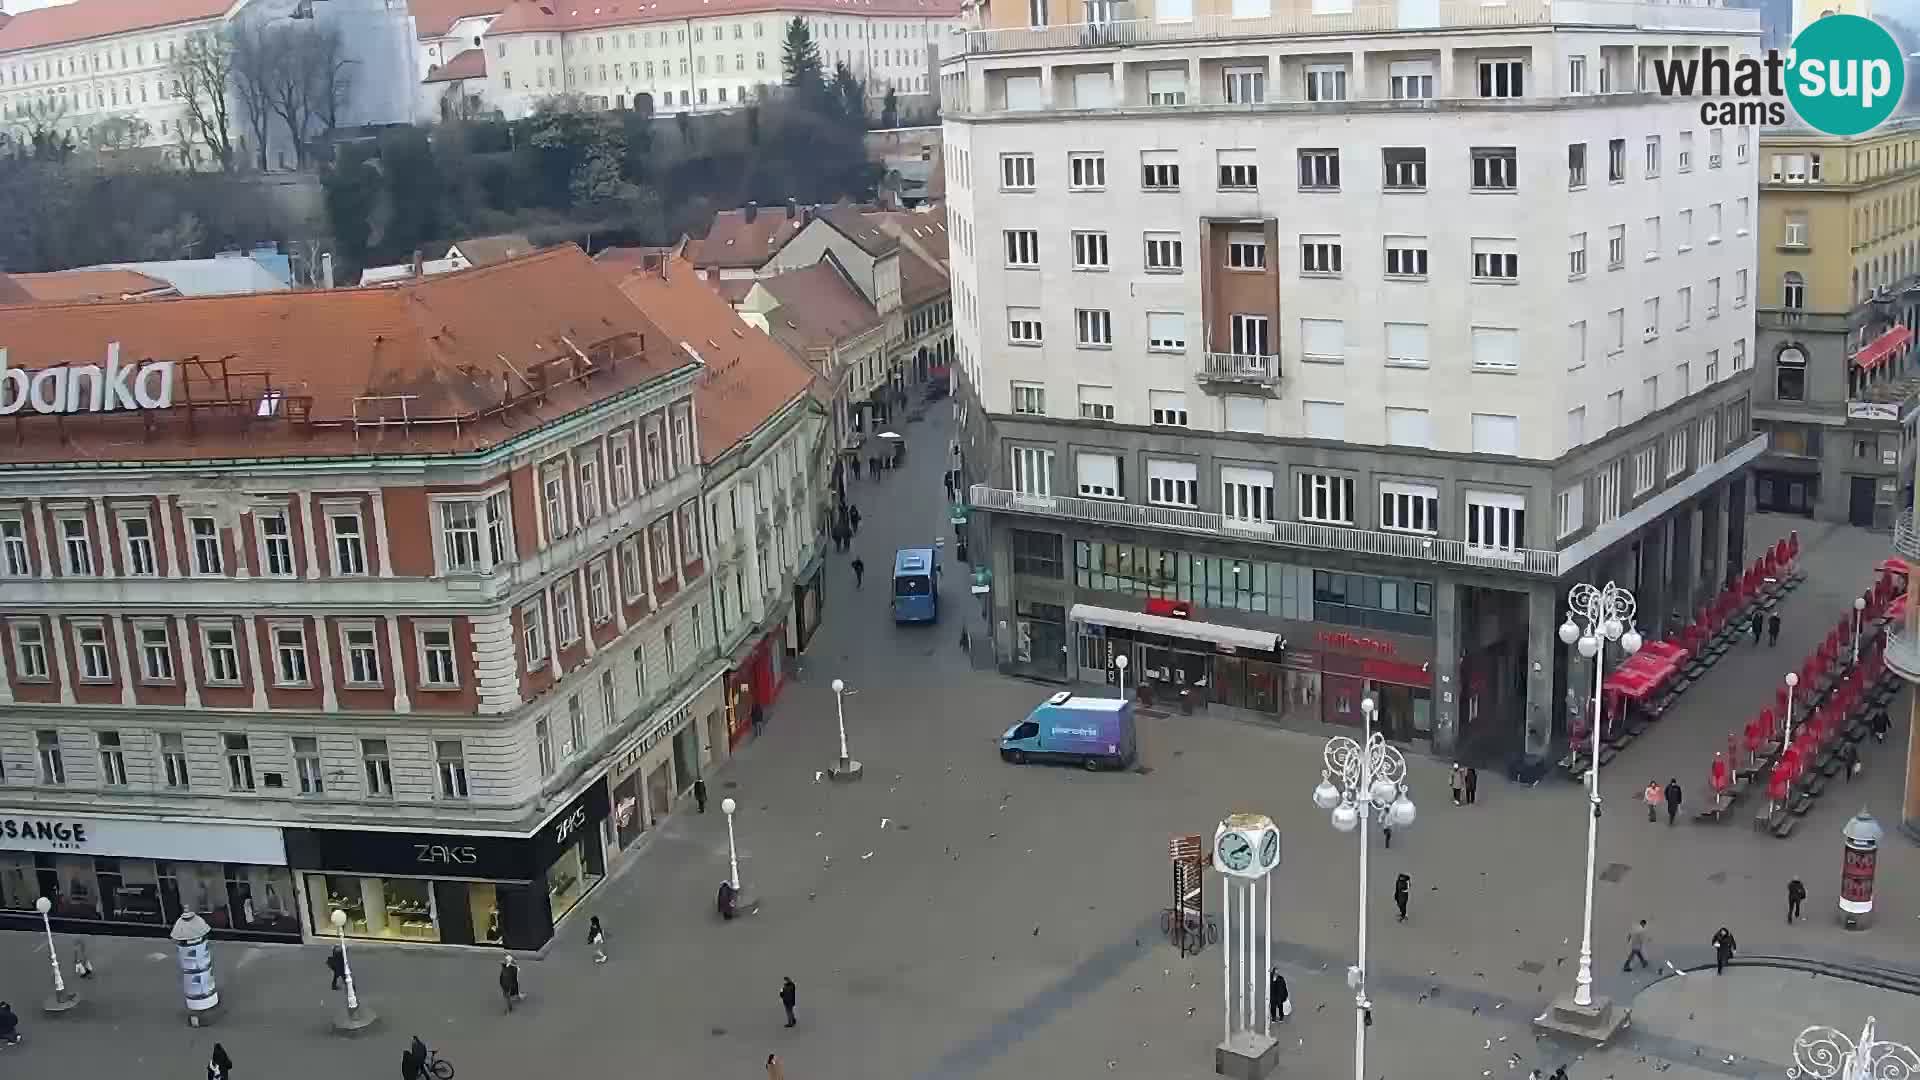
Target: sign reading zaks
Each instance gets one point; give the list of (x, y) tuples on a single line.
[(83, 388)]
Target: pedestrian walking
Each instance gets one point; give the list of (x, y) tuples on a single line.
[(1773, 630), (1473, 784), (789, 996), (597, 938), (219, 1065), (1796, 895), (1402, 888), (856, 468), (337, 963), (1759, 626), (859, 570), (1457, 779), (1279, 1005), (700, 794), (853, 515), (947, 481), (1723, 946), (1849, 758), (759, 718), (1636, 946), (82, 966), (1652, 797), (1880, 725), (509, 980), (775, 1070), (1673, 799)]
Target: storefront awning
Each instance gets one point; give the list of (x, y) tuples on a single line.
[(1877, 351), (1231, 636)]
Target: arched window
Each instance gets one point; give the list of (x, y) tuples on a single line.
[(1793, 290), (1790, 374)]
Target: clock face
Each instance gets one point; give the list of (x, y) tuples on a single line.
[(1235, 852), (1270, 849)]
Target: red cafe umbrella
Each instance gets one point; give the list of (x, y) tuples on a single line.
[(1733, 746), (1757, 732), (1720, 779), (1778, 782)]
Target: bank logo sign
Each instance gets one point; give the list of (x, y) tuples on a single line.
[(85, 388), (1843, 75)]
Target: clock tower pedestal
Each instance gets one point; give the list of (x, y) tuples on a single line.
[(1249, 1055), (845, 771)]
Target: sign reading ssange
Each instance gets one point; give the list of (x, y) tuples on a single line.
[(84, 388)]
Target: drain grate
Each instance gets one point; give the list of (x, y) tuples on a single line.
[(1613, 872)]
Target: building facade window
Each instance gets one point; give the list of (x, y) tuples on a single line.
[(450, 760), (1326, 498), (1413, 508), (239, 762)]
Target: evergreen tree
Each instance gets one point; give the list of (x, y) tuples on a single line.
[(890, 110), (849, 97), (800, 57)]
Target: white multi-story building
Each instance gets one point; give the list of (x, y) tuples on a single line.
[(1353, 334)]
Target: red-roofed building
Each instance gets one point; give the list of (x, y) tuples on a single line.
[(399, 601)]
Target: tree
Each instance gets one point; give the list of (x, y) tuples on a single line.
[(256, 60), (849, 97), (204, 69), (119, 133), (332, 75), (36, 124), (309, 81), (800, 57), (890, 110)]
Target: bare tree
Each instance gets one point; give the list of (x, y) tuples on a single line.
[(204, 68), (256, 63), (333, 76), (309, 83), (116, 133)]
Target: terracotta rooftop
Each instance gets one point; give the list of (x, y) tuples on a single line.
[(735, 243), (632, 258), (867, 235), (818, 306), (11, 293), (487, 250), (85, 20), (455, 363), (551, 15), (470, 64), (90, 285), (924, 229), (433, 18), (749, 377)]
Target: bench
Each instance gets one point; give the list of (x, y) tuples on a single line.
[(1607, 754), (1785, 828), (1736, 790), (1800, 805), (1766, 819), (1715, 811)]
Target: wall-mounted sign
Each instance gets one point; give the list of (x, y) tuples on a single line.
[(83, 388), (1873, 410), (1340, 639), (128, 839)]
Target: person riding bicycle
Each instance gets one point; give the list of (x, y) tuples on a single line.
[(414, 1064), (9, 1024)]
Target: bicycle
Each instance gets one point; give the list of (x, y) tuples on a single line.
[(437, 1067)]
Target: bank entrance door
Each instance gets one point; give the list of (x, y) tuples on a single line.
[(1860, 501)]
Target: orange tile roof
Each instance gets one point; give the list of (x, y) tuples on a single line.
[(818, 306), (925, 229), (113, 284), (453, 346), (487, 250), (734, 243), (434, 18), (749, 377), (84, 20), (11, 293), (467, 64), (554, 15), (866, 235)]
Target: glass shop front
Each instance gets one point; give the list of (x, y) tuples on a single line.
[(482, 889), (135, 877)]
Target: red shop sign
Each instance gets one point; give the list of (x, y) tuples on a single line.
[(1354, 643), (1169, 609)]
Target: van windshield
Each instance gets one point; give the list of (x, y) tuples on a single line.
[(910, 585)]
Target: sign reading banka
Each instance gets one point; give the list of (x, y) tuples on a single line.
[(83, 388)]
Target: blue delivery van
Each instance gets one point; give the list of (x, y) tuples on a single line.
[(1095, 732), (916, 585)]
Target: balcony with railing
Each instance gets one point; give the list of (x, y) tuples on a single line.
[(1903, 653), (1112, 25), (1241, 369), (1294, 534), (1906, 540)]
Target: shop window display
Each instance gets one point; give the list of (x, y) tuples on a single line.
[(390, 908), (571, 876), (230, 896)]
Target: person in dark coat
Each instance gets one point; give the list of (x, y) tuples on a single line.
[(700, 794), (853, 516), (789, 995), (413, 1060), (1773, 630), (1880, 725), (1673, 799), (337, 963), (9, 1024), (1402, 888), (723, 902), (859, 570), (1759, 626), (1473, 784), (1796, 895), (856, 468), (409, 1070), (219, 1066), (759, 718), (1277, 996), (597, 938), (1723, 946), (509, 980)]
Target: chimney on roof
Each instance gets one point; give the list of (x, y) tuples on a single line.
[(419, 263), (326, 269), (753, 211), (793, 209)]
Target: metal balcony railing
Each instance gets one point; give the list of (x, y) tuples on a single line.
[(1254, 368), (1903, 653), (1293, 534), (1906, 540)]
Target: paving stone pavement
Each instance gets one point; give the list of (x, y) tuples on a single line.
[(952, 917)]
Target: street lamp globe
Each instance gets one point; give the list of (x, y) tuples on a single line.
[(1326, 796), (1366, 705), (1859, 603), (1384, 791), (43, 905), (1589, 646), (1612, 629), (1402, 811), (339, 919), (728, 806), (1346, 817), (839, 686), (1569, 633), (1631, 641), (1793, 679)]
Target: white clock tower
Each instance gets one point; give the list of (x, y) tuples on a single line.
[(1246, 848)]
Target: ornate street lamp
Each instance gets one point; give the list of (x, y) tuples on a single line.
[(1824, 1053)]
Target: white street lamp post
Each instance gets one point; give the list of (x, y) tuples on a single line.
[(727, 807), (45, 906), (1603, 615), (1825, 1053), (1120, 669), (1859, 611), (339, 919), (1793, 680), (844, 768), (1363, 780)]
